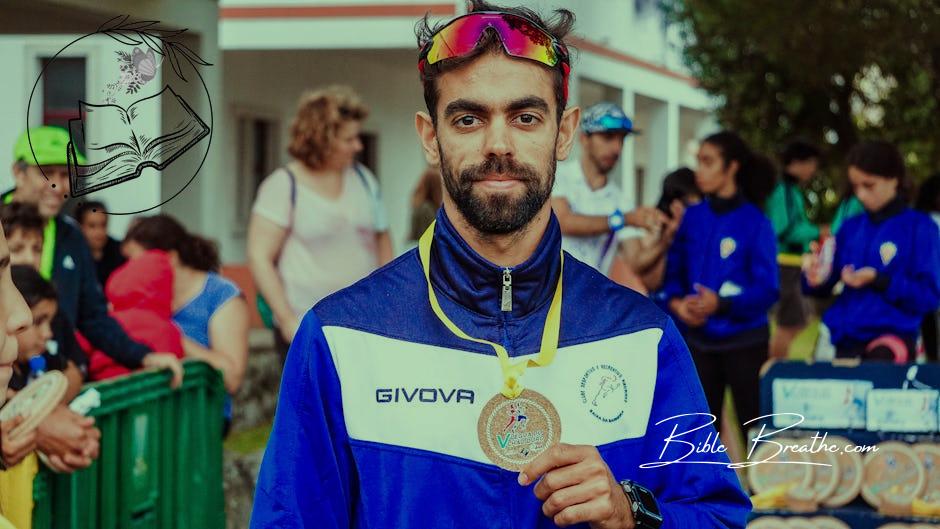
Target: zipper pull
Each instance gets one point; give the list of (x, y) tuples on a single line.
[(506, 300)]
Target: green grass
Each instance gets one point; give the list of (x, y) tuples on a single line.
[(802, 347), (248, 441)]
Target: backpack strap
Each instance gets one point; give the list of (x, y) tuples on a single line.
[(380, 216), (293, 196)]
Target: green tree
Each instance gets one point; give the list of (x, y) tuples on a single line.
[(832, 72)]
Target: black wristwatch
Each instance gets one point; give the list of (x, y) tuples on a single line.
[(643, 504)]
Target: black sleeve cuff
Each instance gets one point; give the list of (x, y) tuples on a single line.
[(137, 354), (881, 282), (724, 305)]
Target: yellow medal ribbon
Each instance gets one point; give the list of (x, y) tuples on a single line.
[(512, 371)]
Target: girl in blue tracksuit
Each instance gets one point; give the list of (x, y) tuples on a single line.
[(721, 272), (887, 263)]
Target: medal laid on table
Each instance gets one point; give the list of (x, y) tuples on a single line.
[(517, 424)]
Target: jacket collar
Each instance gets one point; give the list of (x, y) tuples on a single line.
[(724, 205), (476, 284), (888, 210)]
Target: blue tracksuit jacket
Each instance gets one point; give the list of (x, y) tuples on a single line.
[(729, 246), (903, 246), (376, 425)]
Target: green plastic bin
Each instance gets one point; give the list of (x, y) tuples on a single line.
[(161, 458)]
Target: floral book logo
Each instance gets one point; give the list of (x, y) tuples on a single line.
[(141, 121), (137, 69)]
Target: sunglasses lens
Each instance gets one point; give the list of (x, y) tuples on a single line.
[(520, 37), (457, 39), (525, 40)]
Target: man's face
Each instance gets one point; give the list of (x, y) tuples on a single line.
[(32, 342), (603, 149), (15, 316), (95, 229), (47, 195), (497, 140)]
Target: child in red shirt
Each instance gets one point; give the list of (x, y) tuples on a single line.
[(140, 294)]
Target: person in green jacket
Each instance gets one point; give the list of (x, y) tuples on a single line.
[(848, 208), (787, 211)]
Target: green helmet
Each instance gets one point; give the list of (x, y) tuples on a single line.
[(49, 147)]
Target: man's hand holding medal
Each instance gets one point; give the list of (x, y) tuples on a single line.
[(575, 485)]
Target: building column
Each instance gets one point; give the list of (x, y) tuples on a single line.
[(664, 148), (627, 159)]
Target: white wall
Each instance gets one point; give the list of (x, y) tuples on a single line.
[(20, 58), (16, 61)]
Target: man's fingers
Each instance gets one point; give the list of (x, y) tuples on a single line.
[(560, 478), (657, 214), (559, 455), (569, 496), (597, 509)]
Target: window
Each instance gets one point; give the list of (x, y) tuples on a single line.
[(258, 157), (62, 88)]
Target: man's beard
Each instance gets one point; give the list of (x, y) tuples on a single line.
[(498, 213)]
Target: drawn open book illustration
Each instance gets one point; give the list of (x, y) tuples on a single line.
[(120, 143)]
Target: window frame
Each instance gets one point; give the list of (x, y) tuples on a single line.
[(245, 193)]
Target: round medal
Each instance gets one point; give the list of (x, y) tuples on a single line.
[(35, 402), (513, 432)]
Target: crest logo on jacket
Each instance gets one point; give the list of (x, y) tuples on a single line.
[(887, 251), (727, 247), (604, 392)]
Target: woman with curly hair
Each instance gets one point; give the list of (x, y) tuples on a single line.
[(318, 223)]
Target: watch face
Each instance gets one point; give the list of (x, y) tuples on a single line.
[(647, 499), (643, 504)]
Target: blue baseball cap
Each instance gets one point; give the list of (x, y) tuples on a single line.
[(606, 117)]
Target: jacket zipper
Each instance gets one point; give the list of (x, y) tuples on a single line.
[(505, 304)]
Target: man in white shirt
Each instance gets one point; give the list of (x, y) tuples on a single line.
[(589, 206)]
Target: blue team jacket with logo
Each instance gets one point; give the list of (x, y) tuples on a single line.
[(376, 426), (729, 246), (903, 246)]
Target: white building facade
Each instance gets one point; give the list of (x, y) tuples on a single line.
[(265, 54)]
